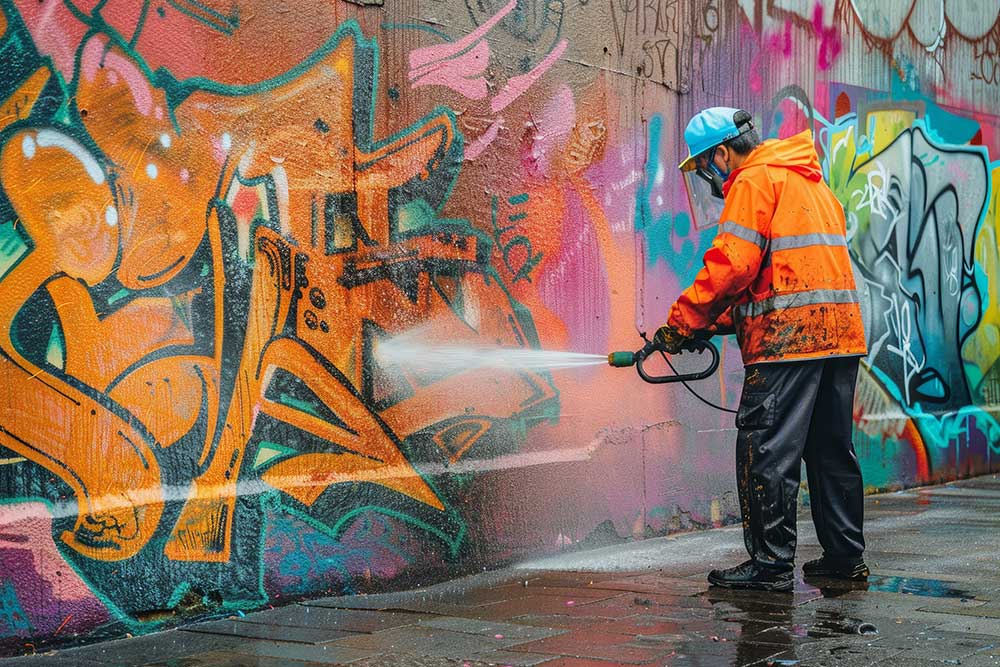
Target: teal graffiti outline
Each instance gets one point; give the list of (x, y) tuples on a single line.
[(530, 261), (335, 530), (937, 428)]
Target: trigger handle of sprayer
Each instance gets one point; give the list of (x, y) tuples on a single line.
[(698, 345)]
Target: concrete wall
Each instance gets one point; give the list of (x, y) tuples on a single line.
[(213, 212)]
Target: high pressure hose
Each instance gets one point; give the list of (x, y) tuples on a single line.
[(693, 392)]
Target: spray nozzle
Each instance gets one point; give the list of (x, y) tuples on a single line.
[(622, 359)]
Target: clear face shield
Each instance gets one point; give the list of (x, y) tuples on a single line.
[(704, 190)]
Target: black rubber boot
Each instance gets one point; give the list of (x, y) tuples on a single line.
[(750, 575), (853, 569)]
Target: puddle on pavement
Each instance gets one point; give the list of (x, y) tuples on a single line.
[(785, 625), (750, 622), (933, 588)]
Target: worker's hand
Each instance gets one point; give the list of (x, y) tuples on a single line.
[(670, 339)]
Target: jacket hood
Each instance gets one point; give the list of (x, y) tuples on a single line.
[(796, 153)]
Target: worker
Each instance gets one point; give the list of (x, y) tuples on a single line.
[(779, 274)]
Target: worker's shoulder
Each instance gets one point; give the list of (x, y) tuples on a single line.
[(755, 169), (756, 177)]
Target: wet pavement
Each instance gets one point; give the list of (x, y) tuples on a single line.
[(933, 599)]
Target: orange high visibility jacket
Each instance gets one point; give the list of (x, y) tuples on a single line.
[(779, 266)]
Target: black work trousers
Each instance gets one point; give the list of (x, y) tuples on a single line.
[(789, 412)]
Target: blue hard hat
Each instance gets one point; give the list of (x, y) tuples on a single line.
[(711, 127)]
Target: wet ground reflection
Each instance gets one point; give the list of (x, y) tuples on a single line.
[(775, 629), (782, 629), (912, 586)]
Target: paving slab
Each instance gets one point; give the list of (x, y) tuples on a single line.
[(647, 625), (964, 491), (411, 660), (428, 641), (940, 644), (596, 645), (981, 660), (909, 660), (737, 654), (982, 626), (398, 605), (284, 633), (489, 595), (324, 654), (544, 604), (802, 594), (655, 583), (720, 629), (583, 662), (134, 651), (351, 620), (517, 659), (838, 656), (229, 659), (596, 591), (59, 659), (493, 629), (893, 604), (569, 622), (968, 608)]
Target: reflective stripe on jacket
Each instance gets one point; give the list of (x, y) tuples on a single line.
[(780, 261)]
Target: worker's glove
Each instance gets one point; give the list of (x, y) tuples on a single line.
[(669, 339)]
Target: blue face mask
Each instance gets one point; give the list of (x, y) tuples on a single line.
[(724, 175), (713, 175)]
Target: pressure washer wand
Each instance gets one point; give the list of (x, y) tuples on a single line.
[(624, 359)]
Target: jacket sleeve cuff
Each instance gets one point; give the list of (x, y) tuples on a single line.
[(679, 324)]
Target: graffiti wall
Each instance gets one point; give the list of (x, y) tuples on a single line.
[(216, 218)]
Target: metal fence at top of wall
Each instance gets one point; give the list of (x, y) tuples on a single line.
[(214, 215)]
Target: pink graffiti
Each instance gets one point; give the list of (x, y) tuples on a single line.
[(829, 40), (463, 73), (549, 132), (782, 42), (519, 84), (756, 81), (96, 56), (458, 65), (475, 149), (461, 66)]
